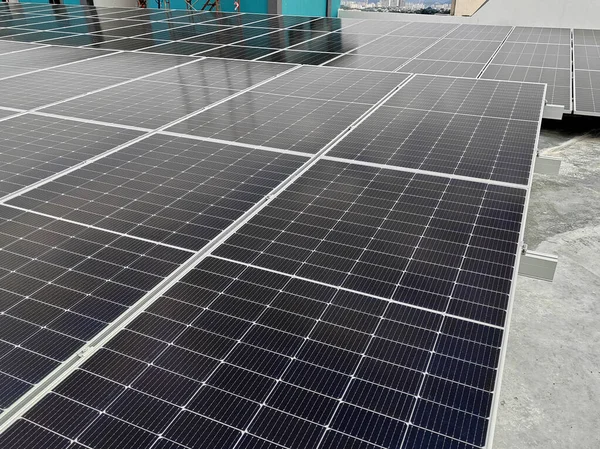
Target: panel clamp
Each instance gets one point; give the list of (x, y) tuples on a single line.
[(537, 265), (546, 165)]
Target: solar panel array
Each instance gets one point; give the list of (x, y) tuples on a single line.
[(254, 254), (586, 71), (530, 54)]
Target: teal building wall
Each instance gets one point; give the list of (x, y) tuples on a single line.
[(304, 7), (290, 7)]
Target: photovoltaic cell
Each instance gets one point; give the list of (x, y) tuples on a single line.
[(288, 123), (178, 191), (35, 147), (131, 104), (55, 298)]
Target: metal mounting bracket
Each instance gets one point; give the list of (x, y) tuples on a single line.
[(553, 111), (547, 165), (537, 265)]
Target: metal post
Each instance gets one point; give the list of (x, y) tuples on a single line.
[(274, 7)]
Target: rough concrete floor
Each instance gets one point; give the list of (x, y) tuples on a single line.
[(550, 395)]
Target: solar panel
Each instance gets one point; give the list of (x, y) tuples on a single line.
[(122, 44), (325, 24), (587, 92), (236, 75), (586, 67), (586, 37), (124, 65), (173, 190), (282, 21), (421, 29), (179, 48), (558, 80), (130, 104), (541, 35), (535, 62), (299, 57), (372, 27), (281, 39), (392, 46), (228, 36), (39, 36), (45, 57), (238, 52), (535, 55), (517, 101), (480, 32), (324, 83), (42, 88), (242, 19), (54, 300), (444, 68), (288, 123), (367, 62), (6, 113), (198, 18), (336, 42), (35, 147), (453, 50), (8, 47)]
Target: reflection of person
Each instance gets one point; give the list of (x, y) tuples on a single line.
[(236, 5), (141, 3), (55, 2)]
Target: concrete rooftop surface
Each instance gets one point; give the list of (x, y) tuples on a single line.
[(550, 394)]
